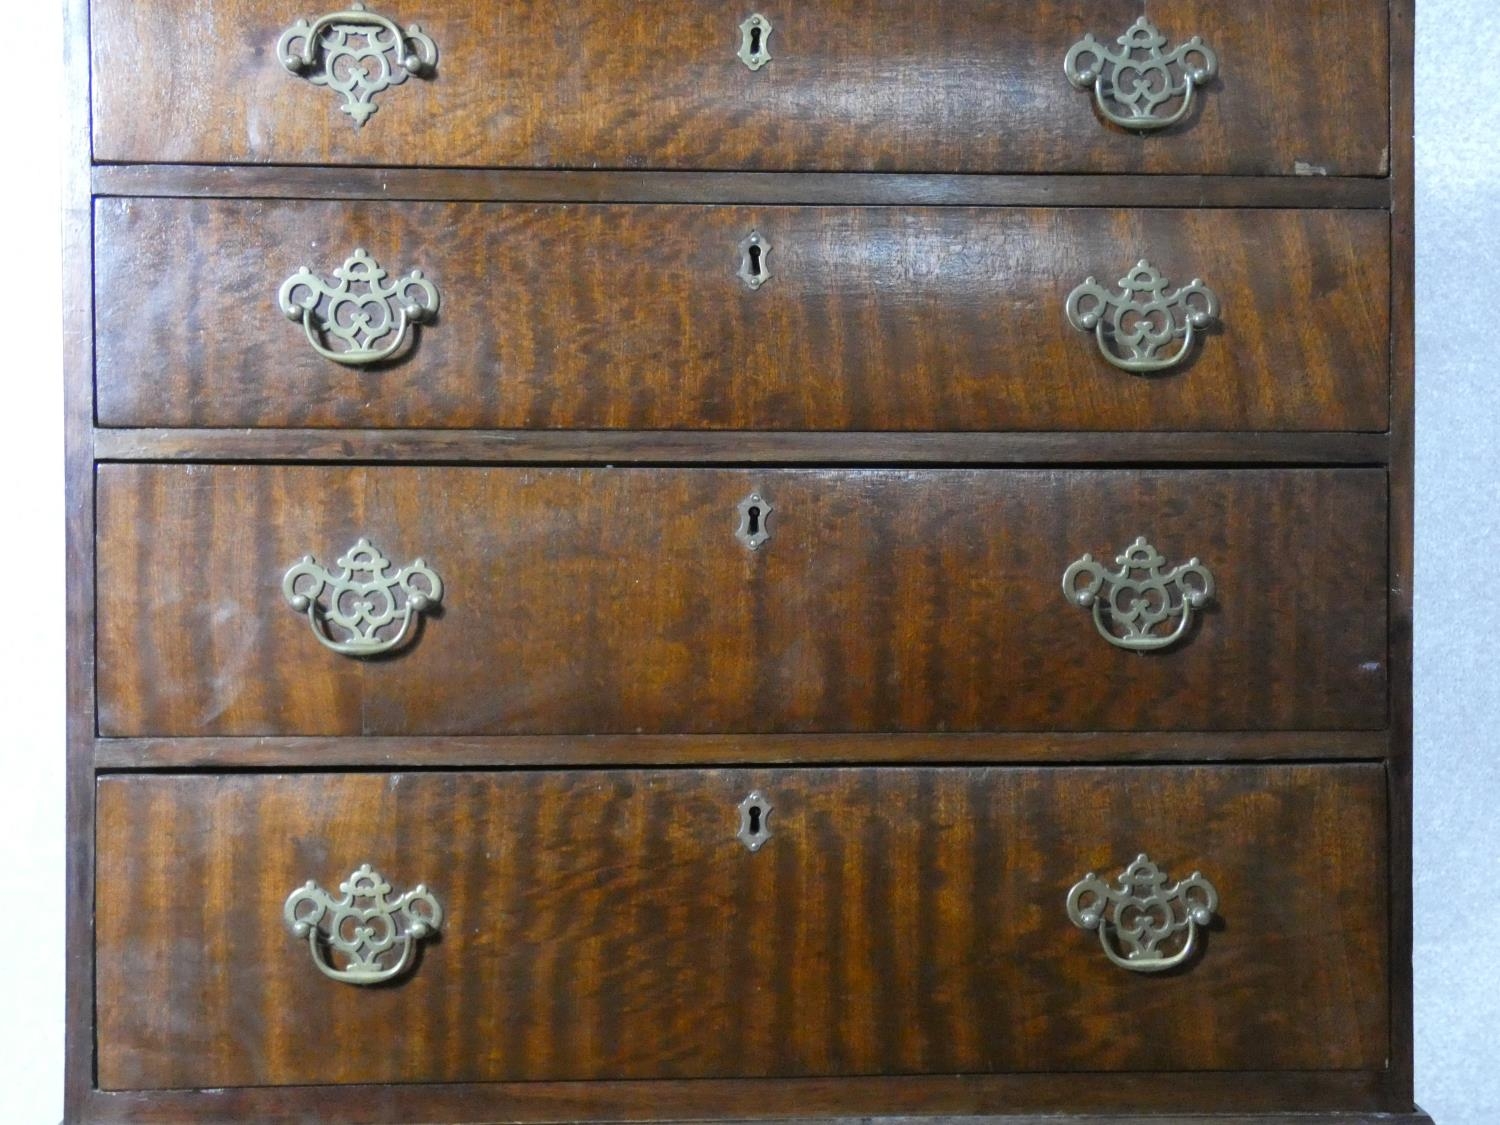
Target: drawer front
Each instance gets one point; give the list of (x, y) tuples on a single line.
[(661, 317), (602, 600), (885, 85), (614, 925)]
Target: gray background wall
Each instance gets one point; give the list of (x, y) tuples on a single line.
[(1458, 551), (1457, 844)]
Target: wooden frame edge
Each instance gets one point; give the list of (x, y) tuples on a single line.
[(848, 189), (1263, 1098), (1401, 520), (78, 345), (732, 447), (406, 753)]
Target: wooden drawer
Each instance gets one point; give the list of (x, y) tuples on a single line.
[(637, 317), (886, 85), (600, 600), (613, 925)]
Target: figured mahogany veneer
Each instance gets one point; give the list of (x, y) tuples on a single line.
[(609, 925), (560, 316), (620, 601), (947, 743), (854, 85)]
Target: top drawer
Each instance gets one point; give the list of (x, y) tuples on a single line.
[(850, 85)]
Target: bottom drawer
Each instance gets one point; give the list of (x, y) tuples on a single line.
[(639, 924)]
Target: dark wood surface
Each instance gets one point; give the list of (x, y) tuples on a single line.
[(620, 601), (855, 85), (586, 751), (1281, 1098), (738, 447), (610, 925), (1335, 1096), (525, 185), (1403, 500), (558, 316)]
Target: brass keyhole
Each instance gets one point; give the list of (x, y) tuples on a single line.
[(755, 42), (755, 814), (755, 515), (754, 269)]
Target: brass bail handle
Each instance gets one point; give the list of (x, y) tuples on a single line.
[(1147, 327), (364, 316), (1135, 82), (1144, 925), (415, 60), (365, 937), (357, 54), (362, 609), (1142, 606)]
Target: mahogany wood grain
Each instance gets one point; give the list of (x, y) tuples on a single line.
[(611, 926), (739, 447), (855, 85), (1341, 113), (1282, 1098), (557, 751), (620, 601), (848, 189), (634, 317)]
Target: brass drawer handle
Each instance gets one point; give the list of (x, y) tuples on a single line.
[(362, 610), (363, 311), (1135, 84), (357, 54), (1136, 328), (373, 938), (1132, 605), (1154, 926)]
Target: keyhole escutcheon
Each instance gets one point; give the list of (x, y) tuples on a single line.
[(754, 515), (755, 814), (755, 46), (753, 253)]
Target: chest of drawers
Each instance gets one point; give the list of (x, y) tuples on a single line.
[(664, 562)]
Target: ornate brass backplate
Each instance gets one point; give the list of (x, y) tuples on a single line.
[(1138, 85), (362, 610), (1146, 327), (357, 54), (364, 316), (1142, 606), (1144, 925), (364, 937)]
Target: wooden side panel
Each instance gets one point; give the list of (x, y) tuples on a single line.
[(874, 85), (609, 925), (1402, 545), (620, 601), (634, 317)]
